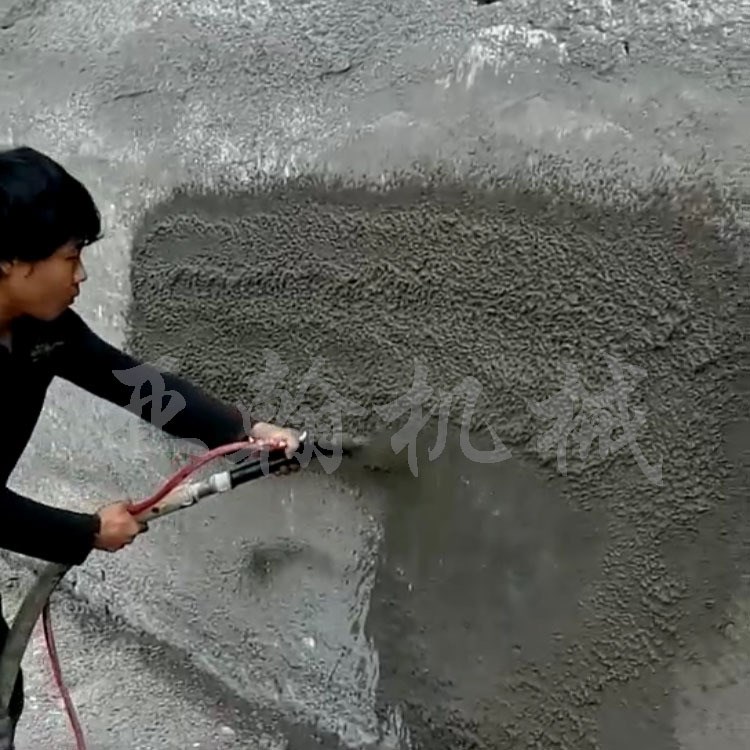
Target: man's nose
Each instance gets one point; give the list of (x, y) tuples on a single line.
[(81, 275)]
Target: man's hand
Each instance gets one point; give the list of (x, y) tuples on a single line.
[(281, 436), (118, 527)]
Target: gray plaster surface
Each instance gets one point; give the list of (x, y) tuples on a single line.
[(494, 191), (131, 690)]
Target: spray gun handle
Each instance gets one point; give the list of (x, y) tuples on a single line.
[(185, 495)]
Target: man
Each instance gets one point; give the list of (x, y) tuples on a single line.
[(47, 218)]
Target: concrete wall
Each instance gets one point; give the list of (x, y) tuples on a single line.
[(499, 192)]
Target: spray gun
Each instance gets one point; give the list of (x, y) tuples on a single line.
[(176, 494)]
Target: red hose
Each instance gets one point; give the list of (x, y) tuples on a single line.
[(177, 478)]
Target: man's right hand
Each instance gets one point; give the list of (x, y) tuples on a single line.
[(118, 527)]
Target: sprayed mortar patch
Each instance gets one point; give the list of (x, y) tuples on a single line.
[(501, 639)]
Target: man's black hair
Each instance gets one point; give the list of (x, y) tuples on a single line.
[(42, 207)]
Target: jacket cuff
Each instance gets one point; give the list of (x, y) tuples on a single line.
[(83, 529)]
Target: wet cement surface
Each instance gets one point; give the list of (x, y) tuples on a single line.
[(518, 599), (524, 603)]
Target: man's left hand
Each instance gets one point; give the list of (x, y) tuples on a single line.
[(280, 436)]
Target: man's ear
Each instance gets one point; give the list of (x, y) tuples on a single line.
[(7, 266)]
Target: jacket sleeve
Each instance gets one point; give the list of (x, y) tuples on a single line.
[(166, 401), (45, 532)]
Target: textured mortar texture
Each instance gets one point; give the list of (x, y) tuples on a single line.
[(511, 605)]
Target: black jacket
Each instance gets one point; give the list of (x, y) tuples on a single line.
[(68, 348)]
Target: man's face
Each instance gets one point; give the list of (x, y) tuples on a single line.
[(46, 288)]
